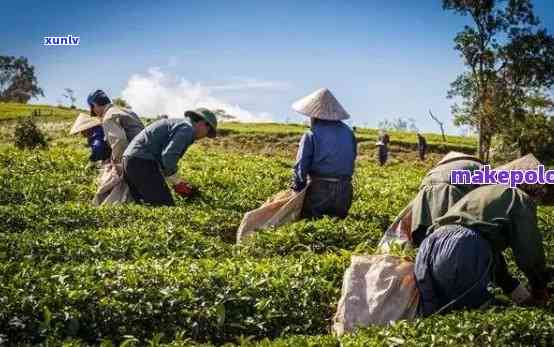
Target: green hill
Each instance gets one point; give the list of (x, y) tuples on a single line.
[(13, 111)]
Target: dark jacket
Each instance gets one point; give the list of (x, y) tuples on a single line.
[(100, 150), (507, 218)]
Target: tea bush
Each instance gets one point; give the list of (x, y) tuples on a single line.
[(28, 135), (76, 275)]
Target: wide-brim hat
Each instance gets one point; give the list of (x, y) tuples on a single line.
[(527, 162), (453, 156), (321, 104), (205, 115), (84, 122)]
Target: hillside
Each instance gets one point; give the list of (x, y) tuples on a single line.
[(77, 275), (257, 137), (13, 111)]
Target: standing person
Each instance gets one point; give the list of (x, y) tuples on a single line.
[(91, 128), (383, 147), (436, 194), (326, 157), (463, 253), (120, 125), (384, 137), (151, 158), (382, 152), (421, 146)]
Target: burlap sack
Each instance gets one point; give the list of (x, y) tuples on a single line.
[(284, 207), (112, 188), (376, 290)]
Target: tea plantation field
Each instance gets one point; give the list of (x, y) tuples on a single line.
[(75, 275)]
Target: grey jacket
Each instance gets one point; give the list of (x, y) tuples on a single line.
[(164, 141)]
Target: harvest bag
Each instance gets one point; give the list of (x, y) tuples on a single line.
[(112, 188), (284, 207), (399, 232), (376, 290)]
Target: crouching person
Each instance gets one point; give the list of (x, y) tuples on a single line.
[(463, 251), (151, 158), (91, 128), (120, 125), (437, 194), (325, 157)]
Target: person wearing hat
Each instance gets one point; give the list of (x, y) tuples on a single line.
[(151, 158), (436, 194), (463, 252), (325, 157), (91, 128), (120, 125), (421, 146)]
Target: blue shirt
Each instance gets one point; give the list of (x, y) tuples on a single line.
[(100, 150), (328, 150), (164, 141)]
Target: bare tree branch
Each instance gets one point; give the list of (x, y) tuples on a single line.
[(441, 125)]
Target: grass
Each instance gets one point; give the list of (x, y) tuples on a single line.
[(13, 111), (75, 275)]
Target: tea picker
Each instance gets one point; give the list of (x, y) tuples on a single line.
[(421, 146), (150, 161), (436, 194), (120, 125), (326, 157), (91, 128), (463, 250)]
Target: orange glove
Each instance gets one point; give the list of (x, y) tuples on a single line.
[(184, 189)]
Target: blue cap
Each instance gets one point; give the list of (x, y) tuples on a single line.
[(98, 97)]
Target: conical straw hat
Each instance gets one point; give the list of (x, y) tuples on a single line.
[(321, 104), (527, 162), (84, 122), (452, 156)]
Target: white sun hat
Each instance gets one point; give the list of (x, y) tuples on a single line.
[(84, 122), (453, 156), (321, 104)]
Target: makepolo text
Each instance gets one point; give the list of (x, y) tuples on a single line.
[(486, 175)]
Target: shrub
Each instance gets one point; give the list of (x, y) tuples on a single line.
[(28, 135)]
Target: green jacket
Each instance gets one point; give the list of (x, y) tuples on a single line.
[(436, 195), (505, 217)]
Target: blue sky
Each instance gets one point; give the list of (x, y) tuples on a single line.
[(382, 59)]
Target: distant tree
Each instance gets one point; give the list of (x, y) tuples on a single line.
[(398, 124), (18, 82), (222, 114), (121, 103), (70, 94), (506, 56)]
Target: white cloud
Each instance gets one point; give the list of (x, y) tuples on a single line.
[(157, 93)]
